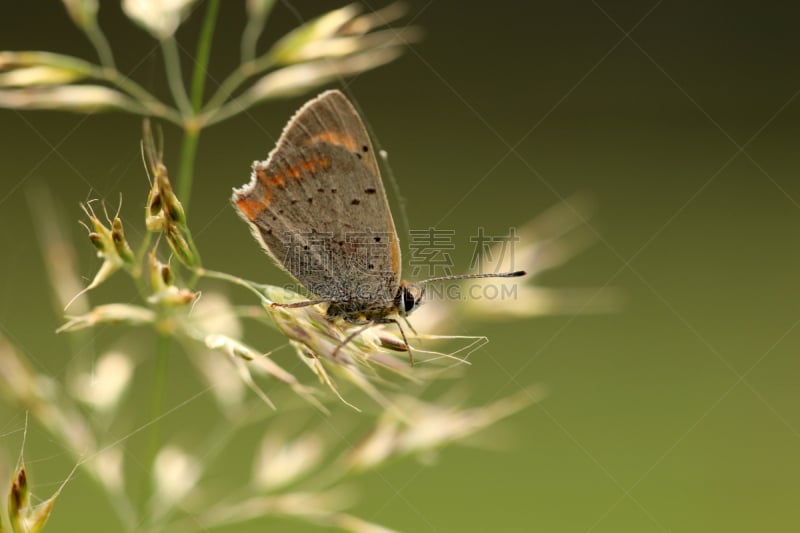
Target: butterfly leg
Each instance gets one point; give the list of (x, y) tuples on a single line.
[(364, 325), (402, 334), (405, 319), (299, 304)]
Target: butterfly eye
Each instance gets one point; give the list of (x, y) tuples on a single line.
[(412, 297), (408, 300)]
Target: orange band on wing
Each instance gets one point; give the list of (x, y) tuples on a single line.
[(248, 207), (309, 167), (334, 137), (268, 181), (252, 208)]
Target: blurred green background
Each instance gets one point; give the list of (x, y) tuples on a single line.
[(679, 412)]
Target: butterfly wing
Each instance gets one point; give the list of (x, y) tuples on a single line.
[(318, 206)]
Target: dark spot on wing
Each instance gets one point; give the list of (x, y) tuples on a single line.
[(370, 191), (365, 148), (333, 190), (355, 201), (377, 239)]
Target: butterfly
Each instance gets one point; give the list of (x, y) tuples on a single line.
[(318, 207)]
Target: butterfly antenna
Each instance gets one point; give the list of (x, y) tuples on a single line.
[(515, 274)]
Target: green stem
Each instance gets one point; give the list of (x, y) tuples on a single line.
[(100, 43), (202, 55), (189, 109), (191, 136), (192, 128), (172, 62)]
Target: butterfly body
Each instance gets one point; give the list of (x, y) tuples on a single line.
[(404, 302)]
